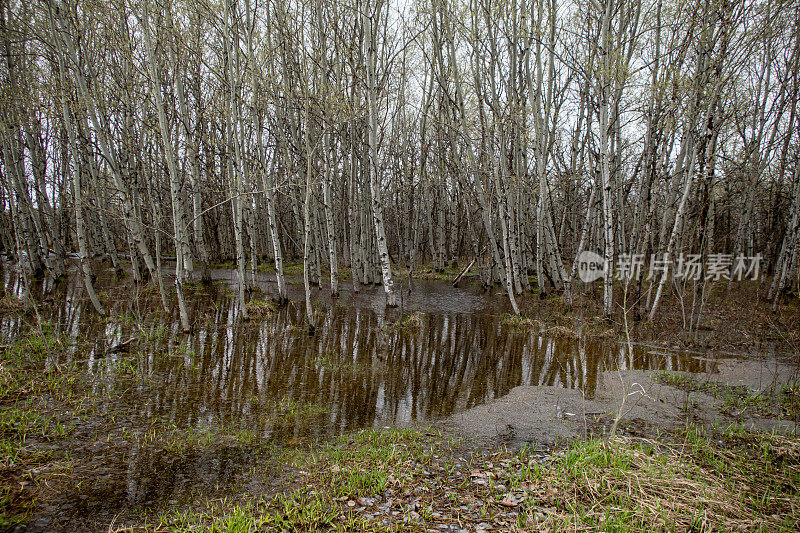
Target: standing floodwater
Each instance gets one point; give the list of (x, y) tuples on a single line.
[(444, 351)]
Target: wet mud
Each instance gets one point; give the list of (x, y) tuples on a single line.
[(176, 415)]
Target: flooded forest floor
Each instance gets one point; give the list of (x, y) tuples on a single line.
[(445, 414)]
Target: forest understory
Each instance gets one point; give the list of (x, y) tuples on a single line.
[(79, 455), (399, 265)]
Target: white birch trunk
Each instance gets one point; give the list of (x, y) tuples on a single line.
[(605, 171), (174, 184), (76, 185), (371, 25)]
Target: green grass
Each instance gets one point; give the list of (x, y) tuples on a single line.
[(524, 324), (167, 437), (224, 265), (697, 482), (11, 303), (155, 333), (366, 462), (695, 479), (630, 485), (26, 389), (290, 267), (409, 322), (519, 322), (363, 464), (290, 408), (412, 321), (782, 401)]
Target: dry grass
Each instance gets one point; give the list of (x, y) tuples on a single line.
[(259, 309), (10, 303), (622, 484), (410, 322), (418, 482), (523, 323)]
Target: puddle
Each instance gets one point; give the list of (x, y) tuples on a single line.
[(268, 377), (356, 372)]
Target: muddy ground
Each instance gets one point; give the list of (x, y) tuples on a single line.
[(125, 421), (728, 393)]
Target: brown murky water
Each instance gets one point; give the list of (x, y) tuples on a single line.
[(361, 369), (365, 367)]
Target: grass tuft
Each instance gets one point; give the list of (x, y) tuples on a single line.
[(781, 401), (259, 308)]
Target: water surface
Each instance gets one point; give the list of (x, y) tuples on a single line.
[(365, 366)]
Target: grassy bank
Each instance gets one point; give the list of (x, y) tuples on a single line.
[(397, 479), (412, 480), (773, 402), (73, 442)]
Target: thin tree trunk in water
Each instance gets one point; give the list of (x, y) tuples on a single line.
[(82, 251), (506, 221), (352, 217), (542, 95), (331, 231), (281, 160), (370, 32), (276, 241), (688, 172), (76, 185), (108, 242), (191, 147), (605, 171), (174, 184), (494, 170), (582, 244), (18, 241), (250, 210), (507, 254), (307, 228), (28, 217), (327, 168), (108, 151), (788, 253), (21, 217), (39, 167), (318, 247), (702, 79), (234, 131), (156, 211), (136, 271)]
